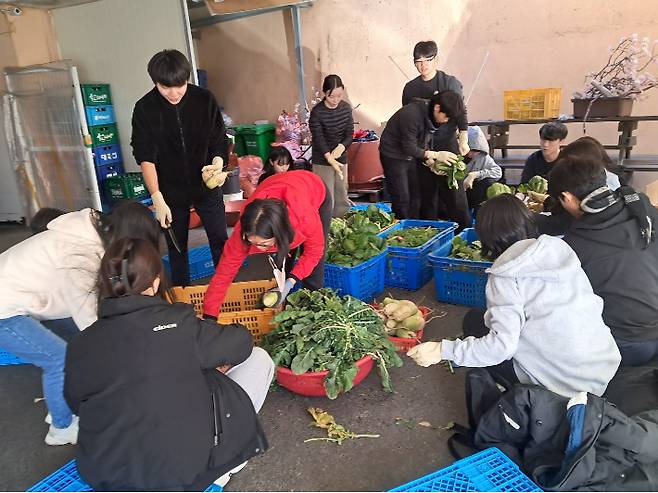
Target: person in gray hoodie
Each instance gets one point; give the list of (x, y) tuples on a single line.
[(543, 323), (482, 169)]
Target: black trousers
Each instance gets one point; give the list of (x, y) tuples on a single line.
[(433, 189), (473, 325), (637, 353), (213, 217), (315, 280), (478, 193), (402, 185)]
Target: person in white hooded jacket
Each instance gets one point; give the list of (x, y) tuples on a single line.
[(51, 276), (481, 167), (543, 323)]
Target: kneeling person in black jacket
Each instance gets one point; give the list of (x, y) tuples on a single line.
[(612, 234), (166, 400)]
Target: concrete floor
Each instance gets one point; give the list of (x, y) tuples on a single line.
[(403, 452)]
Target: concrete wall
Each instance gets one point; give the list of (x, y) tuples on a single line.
[(532, 43), (112, 41)]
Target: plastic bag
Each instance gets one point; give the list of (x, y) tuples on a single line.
[(251, 167)]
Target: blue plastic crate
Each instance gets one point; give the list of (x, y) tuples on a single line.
[(385, 206), (489, 470), (109, 154), (409, 268), (364, 281), (7, 359), (459, 281), (67, 478), (200, 260), (100, 115)]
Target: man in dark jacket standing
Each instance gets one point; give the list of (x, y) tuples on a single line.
[(177, 131), (405, 141), (612, 234)]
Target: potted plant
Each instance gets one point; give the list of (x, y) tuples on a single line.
[(623, 79)]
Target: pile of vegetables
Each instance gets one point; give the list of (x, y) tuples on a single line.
[(353, 241), (412, 237), (372, 214), (319, 330), (462, 249), (454, 172), (532, 194), (402, 318)]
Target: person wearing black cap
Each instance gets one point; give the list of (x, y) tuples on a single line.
[(612, 234)]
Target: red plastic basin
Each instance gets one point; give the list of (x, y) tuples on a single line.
[(311, 384)]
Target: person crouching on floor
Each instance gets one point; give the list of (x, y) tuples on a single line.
[(543, 323), (166, 401)]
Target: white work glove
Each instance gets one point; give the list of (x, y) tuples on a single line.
[(442, 156), (430, 163), (162, 210), (338, 151), (426, 354), (212, 174), (463, 143), (338, 167), (470, 178)]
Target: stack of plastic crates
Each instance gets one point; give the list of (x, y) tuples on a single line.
[(489, 470), (241, 305), (101, 121), (409, 268), (67, 478), (459, 281)]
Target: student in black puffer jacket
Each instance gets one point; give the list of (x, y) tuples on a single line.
[(613, 236), (166, 400)]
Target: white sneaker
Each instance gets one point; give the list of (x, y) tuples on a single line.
[(223, 480), (48, 419), (63, 436)]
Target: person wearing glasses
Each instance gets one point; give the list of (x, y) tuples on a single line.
[(431, 80), (286, 211)]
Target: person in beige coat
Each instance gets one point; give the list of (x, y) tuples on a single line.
[(51, 276)]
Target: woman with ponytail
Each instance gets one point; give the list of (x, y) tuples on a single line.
[(166, 401), (286, 211)]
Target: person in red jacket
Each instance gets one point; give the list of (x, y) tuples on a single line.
[(287, 210)]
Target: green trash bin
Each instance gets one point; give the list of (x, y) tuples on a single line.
[(257, 140)]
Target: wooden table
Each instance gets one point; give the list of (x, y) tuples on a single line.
[(499, 132)]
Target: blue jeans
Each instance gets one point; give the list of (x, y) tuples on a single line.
[(28, 339)]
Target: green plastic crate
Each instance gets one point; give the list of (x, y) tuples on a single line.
[(96, 94), (103, 135), (257, 139), (126, 186)]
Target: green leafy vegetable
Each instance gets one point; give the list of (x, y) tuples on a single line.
[(372, 214), (412, 237), (498, 189), (462, 249), (320, 330), (538, 184), (455, 172), (353, 239)]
